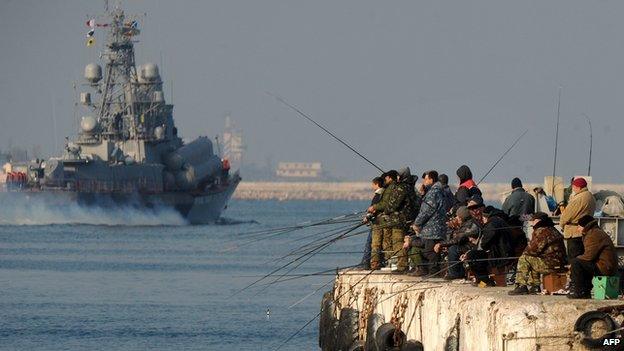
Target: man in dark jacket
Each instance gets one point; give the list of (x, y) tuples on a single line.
[(378, 188), (493, 244), (430, 224), (464, 227), (545, 253), (519, 202), (467, 187), (599, 258)]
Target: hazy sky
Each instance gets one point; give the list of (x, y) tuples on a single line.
[(430, 84)]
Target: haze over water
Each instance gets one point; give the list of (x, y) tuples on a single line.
[(96, 287)]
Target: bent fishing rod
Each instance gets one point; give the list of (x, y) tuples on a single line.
[(502, 156), (302, 114)]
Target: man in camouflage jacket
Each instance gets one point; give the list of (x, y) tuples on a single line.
[(545, 253), (398, 207)]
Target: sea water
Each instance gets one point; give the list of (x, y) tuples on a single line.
[(166, 286)]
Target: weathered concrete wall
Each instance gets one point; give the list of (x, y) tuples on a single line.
[(489, 319)]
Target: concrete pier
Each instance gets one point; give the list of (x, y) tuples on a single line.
[(485, 319)]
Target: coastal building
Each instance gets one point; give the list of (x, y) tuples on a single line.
[(299, 170)]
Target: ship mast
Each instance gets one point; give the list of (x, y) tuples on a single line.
[(117, 114)]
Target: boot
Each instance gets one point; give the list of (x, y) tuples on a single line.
[(519, 290), (577, 292), (535, 290)]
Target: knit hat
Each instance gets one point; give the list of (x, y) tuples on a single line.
[(539, 215), (443, 178), (475, 202), (463, 212), (392, 174), (580, 182), (585, 220), (516, 183)]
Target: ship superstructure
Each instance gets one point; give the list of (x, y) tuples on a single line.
[(128, 146)]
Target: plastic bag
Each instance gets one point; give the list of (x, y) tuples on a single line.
[(613, 207)]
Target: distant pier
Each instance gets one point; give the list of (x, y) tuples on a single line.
[(492, 192)]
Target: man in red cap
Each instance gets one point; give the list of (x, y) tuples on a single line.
[(581, 203)]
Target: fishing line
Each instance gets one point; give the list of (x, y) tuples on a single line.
[(292, 107)]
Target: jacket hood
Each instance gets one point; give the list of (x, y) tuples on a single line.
[(590, 226), (405, 173), (405, 176), (464, 173)]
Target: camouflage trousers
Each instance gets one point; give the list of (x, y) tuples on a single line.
[(529, 270), (398, 238), (381, 246), (415, 257)]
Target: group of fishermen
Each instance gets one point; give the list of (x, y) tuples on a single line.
[(412, 227)]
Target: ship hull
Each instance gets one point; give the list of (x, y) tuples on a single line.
[(198, 208)]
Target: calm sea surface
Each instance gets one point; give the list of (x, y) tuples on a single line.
[(165, 287)]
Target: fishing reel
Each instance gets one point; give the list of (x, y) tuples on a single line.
[(369, 218)]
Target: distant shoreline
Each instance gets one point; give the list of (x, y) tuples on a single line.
[(357, 191)]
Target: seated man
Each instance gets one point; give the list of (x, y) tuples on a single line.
[(464, 227), (493, 246), (599, 258), (545, 253)]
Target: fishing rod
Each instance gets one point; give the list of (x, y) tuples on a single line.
[(306, 246), (291, 262), (310, 294), (591, 143), (279, 233), (305, 224), (294, 108), (309, 247), (502, 156), (308, 255), (556, 143), (271, 232), (426, 279)]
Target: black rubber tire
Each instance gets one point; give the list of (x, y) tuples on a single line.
[(413, 345), (347, 333), (331, 339), (326, 319), (586, 320), (384, 337), (375, 320)]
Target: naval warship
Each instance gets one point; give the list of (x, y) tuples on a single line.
[(128, 151)]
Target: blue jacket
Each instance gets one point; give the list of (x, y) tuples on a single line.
[(432, 215)]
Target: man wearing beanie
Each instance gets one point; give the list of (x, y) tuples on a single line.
[(464, 227), (582, 203), (599, 258), (519, 202), (545, 253)]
